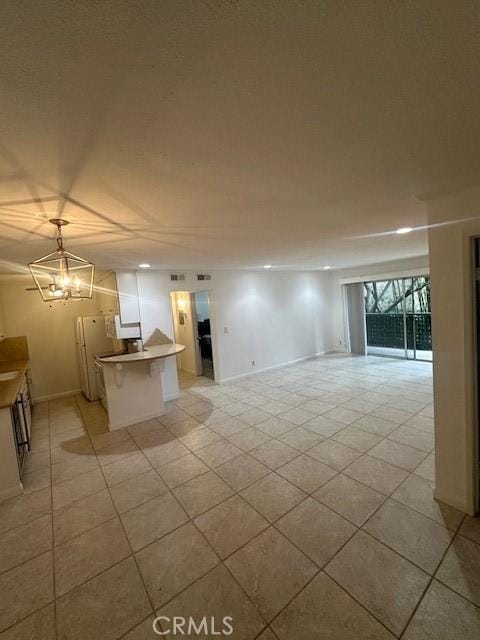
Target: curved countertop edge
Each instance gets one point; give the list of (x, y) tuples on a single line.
[(150, 353)]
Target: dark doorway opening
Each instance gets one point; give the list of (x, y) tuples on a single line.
[(204, 335)]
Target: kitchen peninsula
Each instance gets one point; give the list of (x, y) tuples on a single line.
[(133, 384)]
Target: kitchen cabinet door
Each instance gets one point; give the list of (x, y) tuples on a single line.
[(107, 296), (110, 294), (128, 297)]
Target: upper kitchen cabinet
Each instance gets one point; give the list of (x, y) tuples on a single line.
[(128, 297), (108, 295), (118, 295)]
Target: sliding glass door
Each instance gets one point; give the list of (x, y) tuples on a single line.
[(418, 318), (397, 313), (384, 309)]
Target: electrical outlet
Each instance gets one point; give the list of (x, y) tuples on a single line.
[(253, 363)]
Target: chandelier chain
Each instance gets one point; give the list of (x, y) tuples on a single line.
[(59, 238)]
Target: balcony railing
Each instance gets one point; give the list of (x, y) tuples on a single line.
[(387, 330)]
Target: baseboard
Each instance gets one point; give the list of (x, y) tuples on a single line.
[(452, 502), (275, 366), (55, 396), (344, 352), (6, 494)]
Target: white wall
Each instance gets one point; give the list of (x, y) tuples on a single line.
[(156, 313), (394, 269), (271, 318), (454, 220), (49, 328)]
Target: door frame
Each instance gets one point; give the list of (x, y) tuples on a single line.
[(476, 369), (406, 350), (213, 325), (212, 330), (198, 356)]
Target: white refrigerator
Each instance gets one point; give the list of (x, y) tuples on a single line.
[(91, 339)]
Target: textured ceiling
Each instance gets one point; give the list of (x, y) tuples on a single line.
[(233, 134)]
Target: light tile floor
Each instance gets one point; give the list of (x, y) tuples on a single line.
[(298, 502)]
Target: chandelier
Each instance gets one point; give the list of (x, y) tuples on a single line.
[(61, 275)]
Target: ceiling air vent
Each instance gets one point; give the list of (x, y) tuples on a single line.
[(204, 276), (177, 276)]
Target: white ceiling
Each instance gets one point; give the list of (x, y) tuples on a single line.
[(233, 134)]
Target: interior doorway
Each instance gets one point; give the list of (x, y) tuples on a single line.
[(398, 318), (201, 305), (192, 328)]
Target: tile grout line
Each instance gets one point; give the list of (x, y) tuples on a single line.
[(132, 553), (53, 528), (269, 470), (52, 602), (457, 593), (236, 492), (192, 521), (221, 563), (275, 470), (137, 624), (270, 524), (346, 542), (370, 613), (276, 438), (432, 578), (361, 528), (322, 569)]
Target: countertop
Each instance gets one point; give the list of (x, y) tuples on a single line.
[(10, 388), (150, 353)]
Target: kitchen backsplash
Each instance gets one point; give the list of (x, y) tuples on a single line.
[(12, 349)]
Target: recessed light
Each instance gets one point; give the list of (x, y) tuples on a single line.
[(144, 265), (267, 266), (327, 266), (403, 230)]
